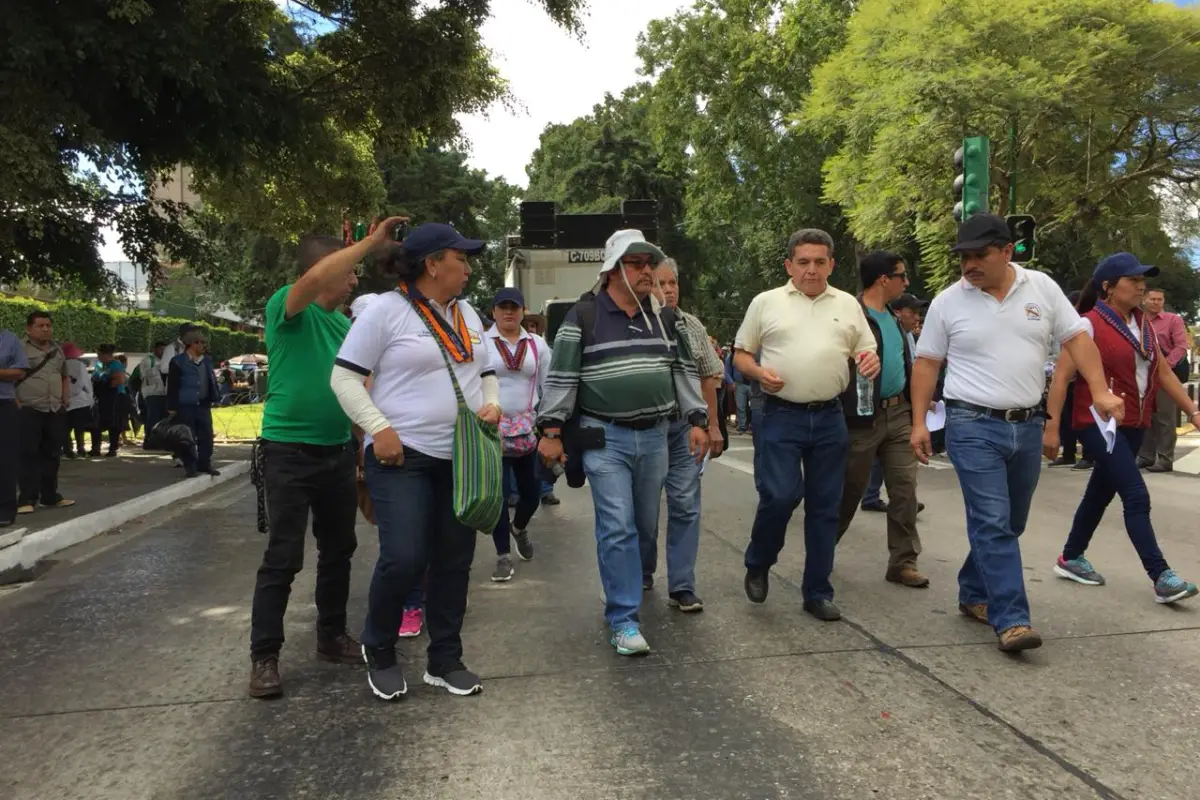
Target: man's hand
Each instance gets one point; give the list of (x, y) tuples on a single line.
[(716, 442), (922, 444), (387, 447), (1051, 443), (551, 451), (868, 365), (1109, 406), (383, 232), (698, 443), (770, 380), (490, 414)]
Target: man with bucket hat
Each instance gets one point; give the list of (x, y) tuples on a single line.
[(623, 366), (993, 330)]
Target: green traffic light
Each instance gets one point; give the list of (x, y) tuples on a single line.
[(1020, 247)]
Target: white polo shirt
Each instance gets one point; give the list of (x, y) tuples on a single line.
[(520, 389), (995, 351), (411, 385)]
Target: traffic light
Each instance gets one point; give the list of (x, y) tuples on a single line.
[(971, 180), (1022, 227)]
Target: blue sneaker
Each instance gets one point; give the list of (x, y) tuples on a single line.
[(629, 641), (1078, 570), (1170, 587)]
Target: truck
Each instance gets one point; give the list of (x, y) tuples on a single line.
[(555, 257)]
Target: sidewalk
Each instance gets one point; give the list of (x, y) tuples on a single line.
[(108, 492)]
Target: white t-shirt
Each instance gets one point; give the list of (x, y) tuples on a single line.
[(411, 386), (517, 387), (81, 385), (995, 351), (1143, 365)]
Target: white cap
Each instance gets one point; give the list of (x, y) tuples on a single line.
[(623, 243), (360, 305)]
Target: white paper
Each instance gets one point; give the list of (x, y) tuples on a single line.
[(1108, 429), (936, 420), (704, 463)]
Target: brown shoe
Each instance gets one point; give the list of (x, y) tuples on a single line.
[(264, 678), (342, 650), (907, 576), (1019, 637), (975, 611)]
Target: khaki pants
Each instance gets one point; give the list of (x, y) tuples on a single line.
[(889, 438), (1159, 444)]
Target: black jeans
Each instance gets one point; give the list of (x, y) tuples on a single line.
[(10, 458), (529, 490), (299, 477), (79, 422), (1067, 435), (199, 419), (414, 506), (41, 451)]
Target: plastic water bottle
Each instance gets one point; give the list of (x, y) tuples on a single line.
[(865, 388)]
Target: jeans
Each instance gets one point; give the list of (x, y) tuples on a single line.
[(199, 419), (683, 514), (998, 465), (799, 455), (1116, 473), (41, 451), (741, 400), (10, 458), (299, 477), (545, 477), (1158, 444), (528, 489), (79, 422), (626, 478), (874, 484), (156, 411), (414, 508)]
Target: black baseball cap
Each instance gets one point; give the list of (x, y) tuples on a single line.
[(907, 300), (431, 237), (980, 231)]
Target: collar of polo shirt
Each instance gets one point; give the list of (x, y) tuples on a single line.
[(1019, 278), (791, 289)]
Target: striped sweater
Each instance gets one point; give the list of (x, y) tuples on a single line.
[(626, 373)]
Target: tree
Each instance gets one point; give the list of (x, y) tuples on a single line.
[(1105, 94)]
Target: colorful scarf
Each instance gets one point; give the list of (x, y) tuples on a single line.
[(513, 359), (1145, 348), (453, 333)]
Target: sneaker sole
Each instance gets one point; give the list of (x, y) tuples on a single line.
[(434, 680), (407, 635), (688, 609), (625, 651), (1184, 595), (524, 557), (505, 579), (371, 683), (1071, 576)]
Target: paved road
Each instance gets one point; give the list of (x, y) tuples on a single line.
[(125, 671)]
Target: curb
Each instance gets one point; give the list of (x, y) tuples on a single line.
[(18, 562)]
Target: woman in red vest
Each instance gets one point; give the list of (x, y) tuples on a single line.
[(1111, 308)]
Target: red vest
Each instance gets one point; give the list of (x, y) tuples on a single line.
[(1120, 368)]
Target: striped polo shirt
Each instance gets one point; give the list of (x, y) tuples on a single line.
[(628, 372)]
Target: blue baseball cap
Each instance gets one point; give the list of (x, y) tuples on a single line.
[(1121, 265), (509, 294), (427, 239)]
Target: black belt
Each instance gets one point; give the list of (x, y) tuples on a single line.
[(314, 450), (823, 405), (894, 400), (631, 424), (1006, 414)]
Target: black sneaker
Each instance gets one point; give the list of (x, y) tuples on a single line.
[(875, 505), (1082, 465), (524, 546), (384, 675), (456, 680), (550, 500), (686, 600), (757, 585)]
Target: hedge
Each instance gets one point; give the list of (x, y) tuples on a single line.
[(90, 326)]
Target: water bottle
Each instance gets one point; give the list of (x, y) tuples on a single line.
[(865, 388)]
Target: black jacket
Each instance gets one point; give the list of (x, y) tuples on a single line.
[(850, 396)]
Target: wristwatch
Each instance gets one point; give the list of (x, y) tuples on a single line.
[(551, 434), (698, 419)]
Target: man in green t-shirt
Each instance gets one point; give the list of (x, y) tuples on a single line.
[(308, 459)]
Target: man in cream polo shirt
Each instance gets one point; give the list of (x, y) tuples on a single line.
[(807, 331), (993, 329)]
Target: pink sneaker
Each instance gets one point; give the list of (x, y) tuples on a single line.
[(410, 623)]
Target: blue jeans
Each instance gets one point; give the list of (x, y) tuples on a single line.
[(683, 514), (1116, 473), (875, 485), (998, 465), (741, 401), (799, 455), (627, 478)]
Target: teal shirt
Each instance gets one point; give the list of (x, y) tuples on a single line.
[(891, 379)]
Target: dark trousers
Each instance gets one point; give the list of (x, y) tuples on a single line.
[(1067, 434), (414, 508), (1116, 473), (41, 450), (10, 458), (800, 455), (156, 411), (529, 490), (300, 477), (79, 422), (108, 421), (199, 419)]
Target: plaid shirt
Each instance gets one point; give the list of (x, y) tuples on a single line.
[(707, 363)]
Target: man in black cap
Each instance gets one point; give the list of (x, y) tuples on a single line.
[(993, 329)]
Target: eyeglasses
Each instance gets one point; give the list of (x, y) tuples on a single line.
[(900, 275), (637, 263)]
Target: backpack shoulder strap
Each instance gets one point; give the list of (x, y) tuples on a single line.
[(585, 312)]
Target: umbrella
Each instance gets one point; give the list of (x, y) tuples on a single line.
[(250, 359)]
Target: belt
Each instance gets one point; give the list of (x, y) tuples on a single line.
[(315, 450), (631, 424), (822, 405), (888, 402), (1006, 414)]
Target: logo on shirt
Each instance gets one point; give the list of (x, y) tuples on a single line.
[(474, 337), (1033, 311)]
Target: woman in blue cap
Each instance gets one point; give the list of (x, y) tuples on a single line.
[(1111, 308)]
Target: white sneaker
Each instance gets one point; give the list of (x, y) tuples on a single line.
[(629, 641)]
